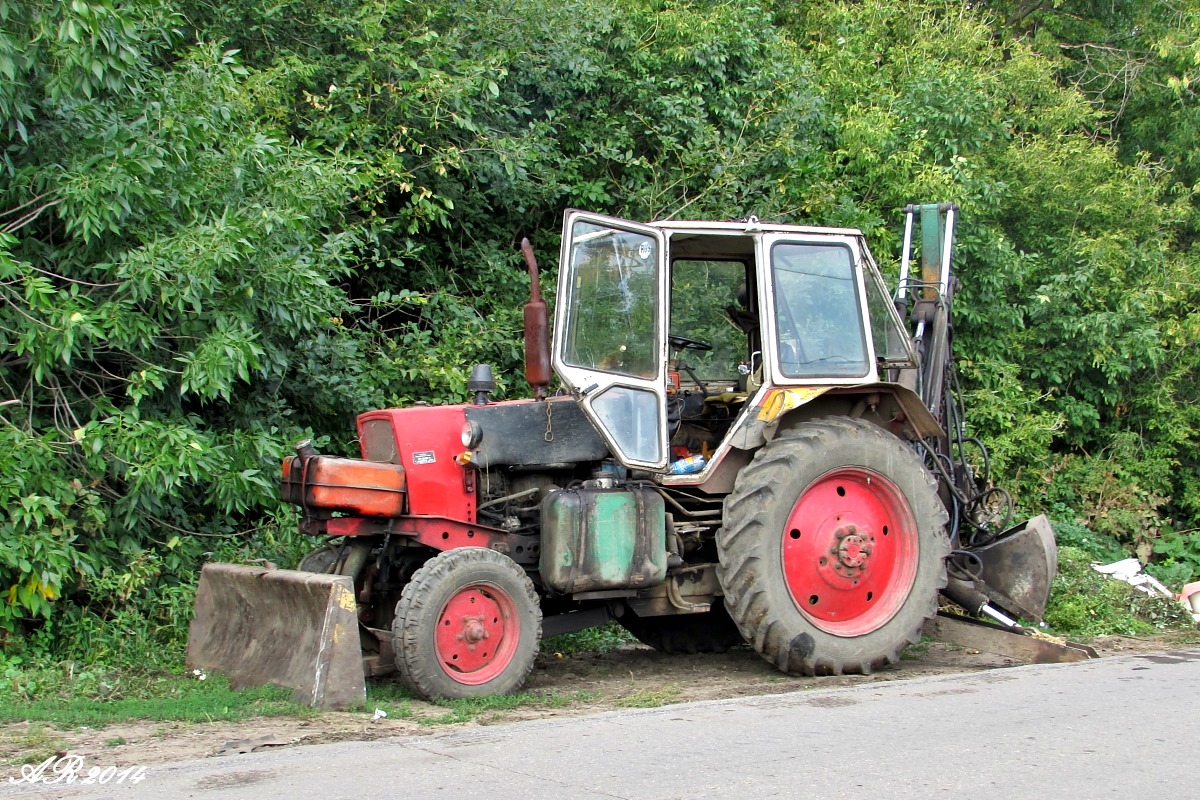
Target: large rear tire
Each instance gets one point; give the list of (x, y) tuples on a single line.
[(833, 548), (709, 632), (468, 624)]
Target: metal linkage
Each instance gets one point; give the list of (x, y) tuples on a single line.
[(982, 510)]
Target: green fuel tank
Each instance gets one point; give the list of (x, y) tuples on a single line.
[(598, 539)]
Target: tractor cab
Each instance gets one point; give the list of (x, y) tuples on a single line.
[(674, 333)]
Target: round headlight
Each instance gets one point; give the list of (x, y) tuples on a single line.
[(472, 434)]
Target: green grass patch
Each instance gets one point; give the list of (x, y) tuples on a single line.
[(650, 698), (393, 698), (468, 709), (398, 702), (187, 700), (600, 639), (915, 651), (1100, 547)]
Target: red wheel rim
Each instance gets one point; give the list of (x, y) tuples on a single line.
[(477, 634), (850, 551)]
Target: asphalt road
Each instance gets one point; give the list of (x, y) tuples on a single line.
[(1124, 727)]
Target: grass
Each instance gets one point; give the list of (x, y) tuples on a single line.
[(397, 701), (591, 640), (33, 746), (914, 651), (650, 698), (189, 700), (1085, 603), (467, 709)]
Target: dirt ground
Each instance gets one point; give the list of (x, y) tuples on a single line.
[(631, 676)]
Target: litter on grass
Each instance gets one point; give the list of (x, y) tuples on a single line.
[(1129, 570)]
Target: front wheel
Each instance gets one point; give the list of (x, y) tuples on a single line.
[(833, 548), (468, 624)]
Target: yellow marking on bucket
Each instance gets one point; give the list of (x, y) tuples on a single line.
[(345, 600)]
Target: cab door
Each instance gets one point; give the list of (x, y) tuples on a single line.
[(610, 332)]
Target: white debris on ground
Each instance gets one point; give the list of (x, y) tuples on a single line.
[(1129, 570)]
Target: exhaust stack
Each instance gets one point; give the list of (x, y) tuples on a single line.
[(537, 329)]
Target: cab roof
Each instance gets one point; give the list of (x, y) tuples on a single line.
[(748, 226)]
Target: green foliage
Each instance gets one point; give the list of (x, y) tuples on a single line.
[(223, 228), (1108, 489), (163, 255), (1100, 548), (1085, 603), (1180, 558)]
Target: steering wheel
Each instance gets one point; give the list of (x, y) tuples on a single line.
[(684, 343)]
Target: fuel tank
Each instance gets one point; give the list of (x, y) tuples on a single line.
[(328, 484), (595, 539)]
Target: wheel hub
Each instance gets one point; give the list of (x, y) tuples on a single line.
[(476, 634), (852, 550), (473, 632)]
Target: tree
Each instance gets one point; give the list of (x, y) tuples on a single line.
[(164, 255)]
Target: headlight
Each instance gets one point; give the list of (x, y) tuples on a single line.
[(472, 434)]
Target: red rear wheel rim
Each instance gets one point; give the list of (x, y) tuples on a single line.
[(850, 551), (477, 634)]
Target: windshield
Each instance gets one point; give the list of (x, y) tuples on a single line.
[(817, 312)]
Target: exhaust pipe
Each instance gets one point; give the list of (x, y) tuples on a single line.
[(537, 329)]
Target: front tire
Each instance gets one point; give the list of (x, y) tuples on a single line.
[(468, 624), (833, 548)]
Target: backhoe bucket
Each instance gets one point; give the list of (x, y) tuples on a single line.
[(279, 626), (1018, 567)]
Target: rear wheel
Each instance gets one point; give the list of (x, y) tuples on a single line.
[(467, 625), (710, 632), (833, 548)]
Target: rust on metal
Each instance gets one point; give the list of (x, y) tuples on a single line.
[(537, 329)]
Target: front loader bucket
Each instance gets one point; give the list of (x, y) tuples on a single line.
[(1018, 567), (279, 626)]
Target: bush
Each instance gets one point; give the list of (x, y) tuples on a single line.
[(1084, 602)]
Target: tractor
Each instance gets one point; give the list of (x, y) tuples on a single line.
[(737, 433)]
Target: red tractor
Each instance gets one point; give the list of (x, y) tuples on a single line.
[(752, 440)]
